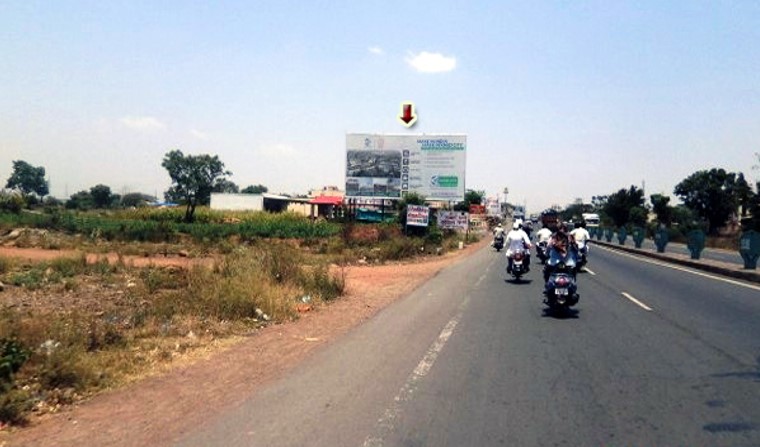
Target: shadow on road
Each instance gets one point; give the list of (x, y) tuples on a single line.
[(518, 281), (561, 313)]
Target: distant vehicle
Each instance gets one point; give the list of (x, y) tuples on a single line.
[(549, 218), (591, 219)]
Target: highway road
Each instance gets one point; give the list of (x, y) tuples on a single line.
[(654, 355)]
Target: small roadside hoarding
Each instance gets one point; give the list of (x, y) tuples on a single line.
[(417, 215), (453, 220)]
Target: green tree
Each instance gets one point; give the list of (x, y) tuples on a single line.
[(714, 195), (226, 186), (471, 197), (662, 209), (101, 196), (193, 179), (753, 223), (80, 201), (28, 179), (254, 189), (136, 199), (618, 205)]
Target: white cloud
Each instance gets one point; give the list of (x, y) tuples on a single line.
[(425, 62), (199, 135), (277, 151), (142, 123), (376, 50)]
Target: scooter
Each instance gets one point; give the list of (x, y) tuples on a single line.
[(498, 242), (519, 268), (582, 255), (541, 248), (561, 288)]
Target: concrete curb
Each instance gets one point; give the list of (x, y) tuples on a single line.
[(702, 264)]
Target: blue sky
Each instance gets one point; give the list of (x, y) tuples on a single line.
[(559, 99)]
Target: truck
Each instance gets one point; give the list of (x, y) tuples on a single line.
[(591, 219), (549, 219)]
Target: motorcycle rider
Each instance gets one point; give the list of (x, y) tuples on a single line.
[(498, 232), (517, 239), (542, 241), (561, 244), (581, 237)]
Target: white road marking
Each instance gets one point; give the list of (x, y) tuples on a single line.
[(386, 423), (586, 269), (676, 267), (637, 302)]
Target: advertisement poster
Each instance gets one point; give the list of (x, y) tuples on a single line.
[(388, 166), (453, 220), (417, 215)]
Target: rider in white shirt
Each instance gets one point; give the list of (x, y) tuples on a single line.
[(517, 239), (543, 235), (581, 236)]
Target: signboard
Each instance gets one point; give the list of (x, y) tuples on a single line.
[(417, 215), (388, 166), (492, 207), (477, 209), (453, 220)]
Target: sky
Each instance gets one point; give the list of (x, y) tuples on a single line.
[(559, 100)]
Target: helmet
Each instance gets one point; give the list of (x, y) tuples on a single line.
[(516, 226), (498, 224)]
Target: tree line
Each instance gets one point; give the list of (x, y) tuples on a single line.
[(194, 178), (710, 198)]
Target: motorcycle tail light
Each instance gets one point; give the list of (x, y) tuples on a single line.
[(518, 256)]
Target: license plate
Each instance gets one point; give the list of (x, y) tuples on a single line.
[(561, 291)]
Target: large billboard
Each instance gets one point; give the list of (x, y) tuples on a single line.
[(388, 166)]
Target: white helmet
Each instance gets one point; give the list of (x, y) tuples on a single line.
[(498, 224), (516, 226)]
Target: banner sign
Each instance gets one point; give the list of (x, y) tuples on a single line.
[(453, 220), (477, 209), (417, 215), (388, 166)]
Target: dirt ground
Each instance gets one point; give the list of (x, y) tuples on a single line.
[(159, 409)]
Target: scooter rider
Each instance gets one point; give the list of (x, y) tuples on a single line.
[(581, 237), (498, 232), (560, 245), (543, 235), (517, 239)]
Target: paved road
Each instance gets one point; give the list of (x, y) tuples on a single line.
[(732, 257), (472, 360)]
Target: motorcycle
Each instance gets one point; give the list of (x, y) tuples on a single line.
[(541, 248), (519, 267), (498, 242), (582, 252), (561, 288)]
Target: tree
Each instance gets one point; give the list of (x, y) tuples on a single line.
[(254, 189), (753, 223), (661, 208), (28, 179), (136, 199), (714, 195), (80, 201), (618, 205), (101, 196), (193, 179), (226, 186), (471, 197)]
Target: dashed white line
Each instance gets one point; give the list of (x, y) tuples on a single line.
[(675, 267), (586, 269), (635, 301), (386, 423)]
